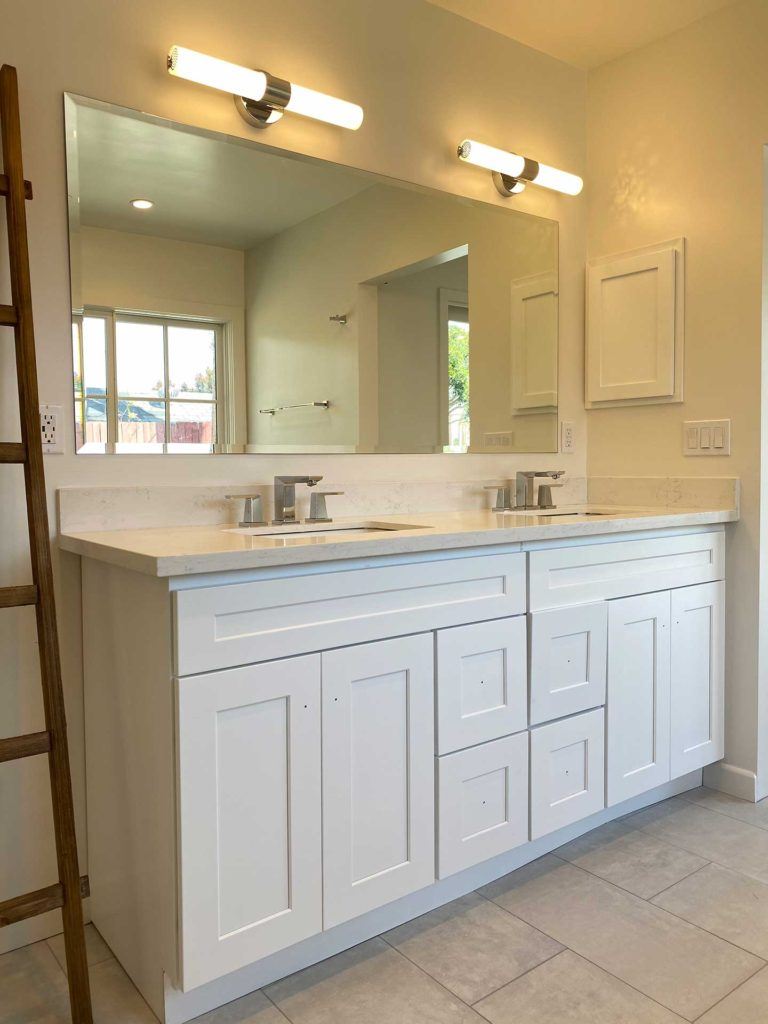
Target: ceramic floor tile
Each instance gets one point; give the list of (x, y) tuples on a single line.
[(97, 951), (680, 966), (472, 946), (716, 837), (570, 990), (744, 810), (370, 984), (251, 1009), (630, 859), (32, 987), (115, 999), (724, 902), (747, 1005)]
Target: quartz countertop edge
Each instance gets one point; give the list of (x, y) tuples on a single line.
[(190, 550)]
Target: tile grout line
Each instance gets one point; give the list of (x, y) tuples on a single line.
[(716, 863), (701, 928), (512, 981), (272, 1003), (723, 814), (728, 995), (650, 899)]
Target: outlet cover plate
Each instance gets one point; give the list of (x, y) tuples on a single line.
[(50, 429)]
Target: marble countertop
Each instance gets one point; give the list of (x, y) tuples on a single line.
[(188, 550)]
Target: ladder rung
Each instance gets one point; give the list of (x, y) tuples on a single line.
[(38, 902), (4, 187), (15, 747), (17, 597), (12, 451), (8, 316)]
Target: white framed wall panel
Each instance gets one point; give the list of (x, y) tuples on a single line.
[(638, 701), (534, 344), (635, 326), (600, 572), (378, 774), (698, 676), (568, 656), (239, 623), (482, 802), (482, 682), (567, 771), (249, 814)]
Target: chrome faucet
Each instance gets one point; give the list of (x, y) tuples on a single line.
[(525, 487), (285, 497)]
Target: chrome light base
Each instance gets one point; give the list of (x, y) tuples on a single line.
[(509, 186), (269, 109)]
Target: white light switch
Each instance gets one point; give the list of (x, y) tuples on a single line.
[(707, 437)]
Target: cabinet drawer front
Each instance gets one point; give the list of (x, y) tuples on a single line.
[(217, 627), (482, 802), (698, 690), (568, 656), (597, 572), (378, 774), (637, 713), (249, 814), (567, 772), (481, 682)]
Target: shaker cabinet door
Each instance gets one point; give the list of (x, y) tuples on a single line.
[(637, 709), (249, 814), (378, 774), (698, 632)]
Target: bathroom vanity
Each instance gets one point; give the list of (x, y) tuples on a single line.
[(294, 744)]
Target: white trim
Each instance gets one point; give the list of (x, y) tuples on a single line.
[(447, 297), (184, 1006)]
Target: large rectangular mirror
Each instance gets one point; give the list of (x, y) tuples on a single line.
[(228, 297)]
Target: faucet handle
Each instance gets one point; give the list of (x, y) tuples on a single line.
[(545, 496), (318, 512), (253, 514), (503, 501)]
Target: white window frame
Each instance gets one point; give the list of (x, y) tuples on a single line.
[(221, 362)]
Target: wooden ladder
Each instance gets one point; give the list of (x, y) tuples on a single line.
[(67, 893)]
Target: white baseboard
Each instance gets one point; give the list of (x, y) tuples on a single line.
[(729, 778), (183, 1006)]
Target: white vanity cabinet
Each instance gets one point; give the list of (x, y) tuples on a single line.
[(320, 752)]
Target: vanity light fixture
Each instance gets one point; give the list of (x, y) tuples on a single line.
[(142, 204), (262, 98), (511, 172)]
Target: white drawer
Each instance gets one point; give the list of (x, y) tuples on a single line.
[(481, 682), (568, 660), (567, 772), (242, 623), (598, 572), (482, 802)]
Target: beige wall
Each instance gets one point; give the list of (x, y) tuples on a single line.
[(675, 147), (426, 79)]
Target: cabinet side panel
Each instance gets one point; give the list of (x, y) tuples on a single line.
[(130, 770)]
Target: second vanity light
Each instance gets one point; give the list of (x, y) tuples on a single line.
[(511, 172), (260, 97)]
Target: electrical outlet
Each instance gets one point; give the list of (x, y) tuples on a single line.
[(50, 429), (567, 437)]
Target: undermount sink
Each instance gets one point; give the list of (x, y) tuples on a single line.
[(331, 530)]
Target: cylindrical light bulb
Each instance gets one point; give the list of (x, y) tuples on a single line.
[(560, 181), (218, 74), (491, 158), (324, 108)]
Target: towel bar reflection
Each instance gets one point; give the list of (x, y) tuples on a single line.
[(325, 404)]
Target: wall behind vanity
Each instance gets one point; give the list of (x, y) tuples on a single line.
[(676, 133), (426, 79)]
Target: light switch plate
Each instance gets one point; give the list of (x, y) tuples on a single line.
[(707, 437), (503, 439)]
